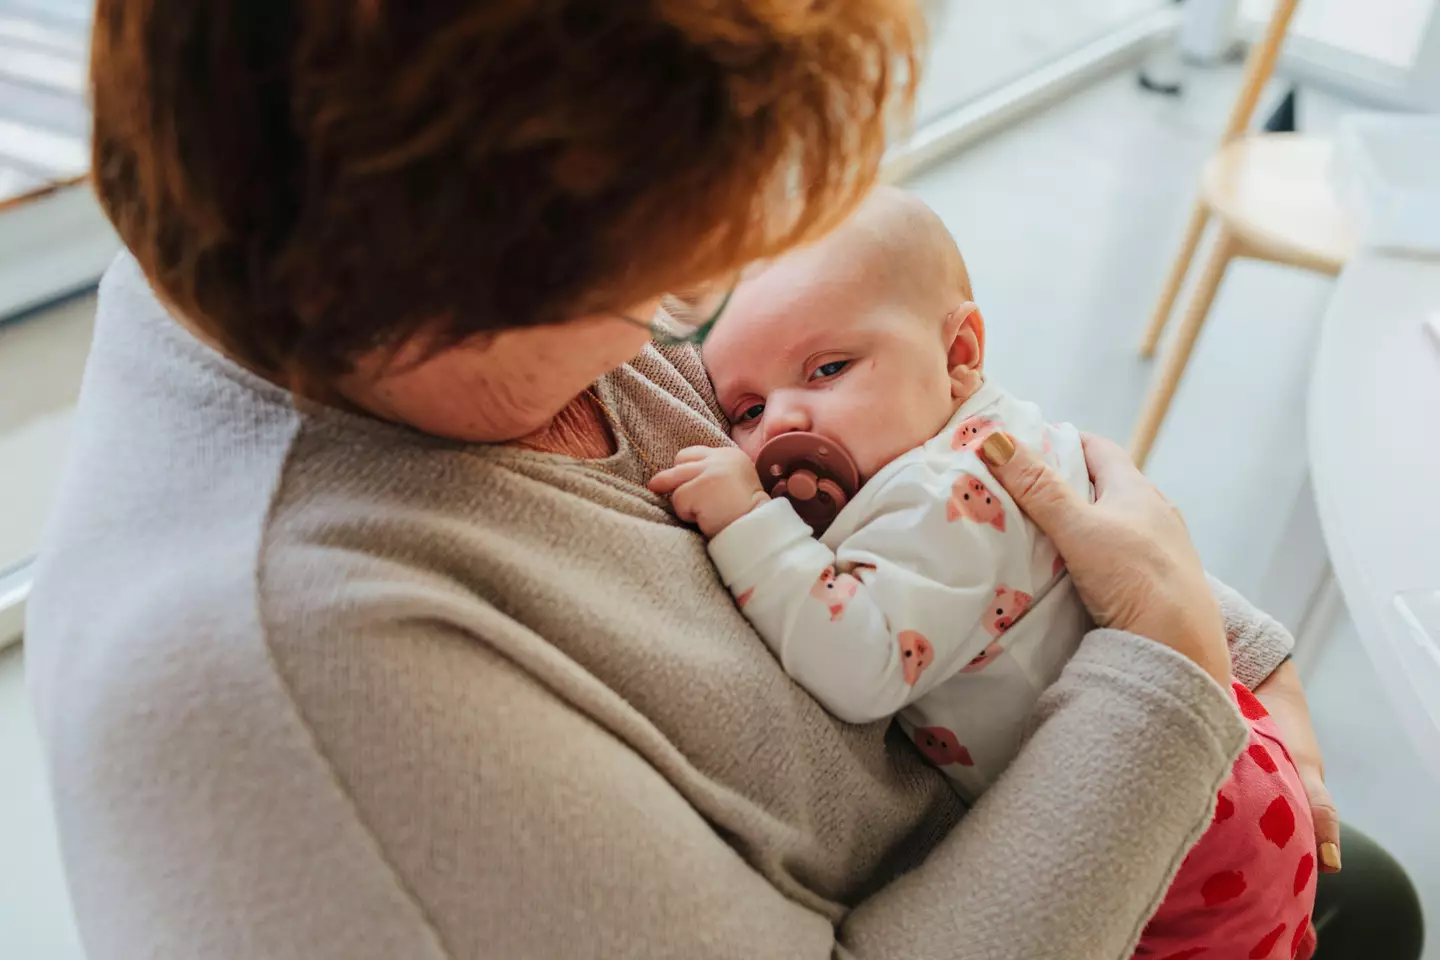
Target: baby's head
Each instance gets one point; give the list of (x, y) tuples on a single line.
[(868, 337)]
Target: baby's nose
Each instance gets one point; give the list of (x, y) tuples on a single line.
[(790, 418)]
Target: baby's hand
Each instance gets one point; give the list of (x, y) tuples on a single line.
[(711, 487)]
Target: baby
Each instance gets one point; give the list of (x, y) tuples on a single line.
[(931, 597)]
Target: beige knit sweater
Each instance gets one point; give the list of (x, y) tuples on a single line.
[(315, 686)]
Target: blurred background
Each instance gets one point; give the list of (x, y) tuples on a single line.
[(1063, 141)]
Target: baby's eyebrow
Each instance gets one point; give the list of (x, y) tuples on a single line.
[(725, 397)]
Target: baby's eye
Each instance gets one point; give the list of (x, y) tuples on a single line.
[(752, 412), (829, 369)]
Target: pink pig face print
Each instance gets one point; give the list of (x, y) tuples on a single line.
[(835, 591), (972, 432), (941, 747), (1007, 606), (972, 500), (916, 654), (1047, 449), (983, 659)]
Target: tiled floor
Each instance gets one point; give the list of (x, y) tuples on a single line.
[(1067, 223)]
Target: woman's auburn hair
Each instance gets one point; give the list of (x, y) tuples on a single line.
[(310, 180)]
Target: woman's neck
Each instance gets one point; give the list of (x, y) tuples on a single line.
[(580, 430)]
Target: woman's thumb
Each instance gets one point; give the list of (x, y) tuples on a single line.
[(1041, 492)]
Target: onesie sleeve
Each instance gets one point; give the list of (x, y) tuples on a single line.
[(916, 594)]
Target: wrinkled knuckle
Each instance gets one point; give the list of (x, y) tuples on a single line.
[(1322, 806), (1030, 482)]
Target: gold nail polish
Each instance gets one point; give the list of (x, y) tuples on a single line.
[(1330, 855), (997, 449)]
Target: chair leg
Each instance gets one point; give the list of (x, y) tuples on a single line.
[(1158, 402), (1175, 280)]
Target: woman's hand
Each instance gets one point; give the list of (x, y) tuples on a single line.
[(1128, 552), (1283, 696)]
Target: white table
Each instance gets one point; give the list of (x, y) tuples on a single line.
[(1374, 437)]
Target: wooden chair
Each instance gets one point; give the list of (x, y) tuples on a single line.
[(1271, 197)]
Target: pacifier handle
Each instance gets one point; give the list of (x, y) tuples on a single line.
[(813, 472), (837, 496), (802, 485)]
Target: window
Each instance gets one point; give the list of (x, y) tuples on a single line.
[(1383, 51), (44, 124)]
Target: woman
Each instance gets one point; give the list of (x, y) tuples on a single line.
[(357, 633)]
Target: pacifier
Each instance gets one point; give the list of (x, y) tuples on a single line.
[(812, 472)]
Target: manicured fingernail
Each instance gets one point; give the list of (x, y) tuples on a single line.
[(997, 449), (1330, 855)]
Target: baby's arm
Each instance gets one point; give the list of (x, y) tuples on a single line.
[(912, 598)]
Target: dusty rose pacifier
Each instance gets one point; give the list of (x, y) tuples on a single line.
[(810, 471)]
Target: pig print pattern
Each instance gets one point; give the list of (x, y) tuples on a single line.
[(834, 590), (973, 501), (930, 591), (972, 432)]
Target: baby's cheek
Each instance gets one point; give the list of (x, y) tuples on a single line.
[(874, 438), (748, 440)]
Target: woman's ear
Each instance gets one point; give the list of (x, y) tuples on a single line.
[(965, 354)]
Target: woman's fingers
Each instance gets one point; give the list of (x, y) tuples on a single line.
[(1128, 554), (1327, 823), (1108, 462), (1284, 698), (1038, 490)]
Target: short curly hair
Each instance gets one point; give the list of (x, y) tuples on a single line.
[(309, 180)]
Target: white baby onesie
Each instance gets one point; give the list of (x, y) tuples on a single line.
[(931, 595)]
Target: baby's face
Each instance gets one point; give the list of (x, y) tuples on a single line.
[(808, 345)]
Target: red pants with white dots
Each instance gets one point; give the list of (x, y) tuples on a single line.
[(1247, 888)]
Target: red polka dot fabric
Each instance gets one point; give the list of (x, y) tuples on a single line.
[(1248, 886)]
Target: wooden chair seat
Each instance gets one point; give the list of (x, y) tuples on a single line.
[(1273, 193)]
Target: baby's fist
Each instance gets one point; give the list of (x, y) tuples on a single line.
[(711, 487)]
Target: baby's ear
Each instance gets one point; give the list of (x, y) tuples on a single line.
[(964, 334)]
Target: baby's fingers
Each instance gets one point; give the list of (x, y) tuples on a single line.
[(667, 482), (693, 454)]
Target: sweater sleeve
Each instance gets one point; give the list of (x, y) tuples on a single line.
[(578, 846), (1258, 643), (233, 839), (1054, 860)]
